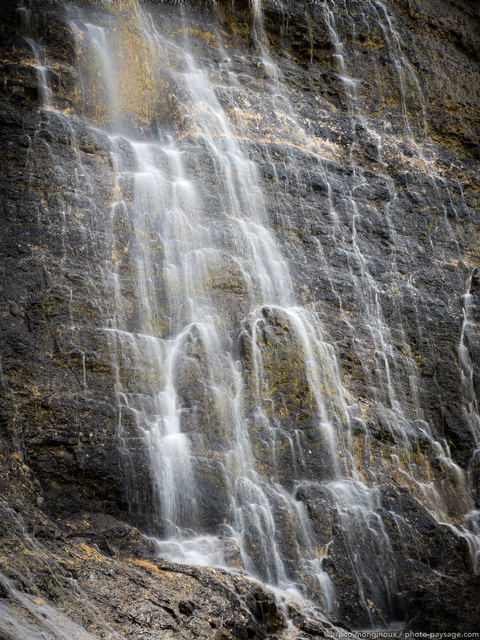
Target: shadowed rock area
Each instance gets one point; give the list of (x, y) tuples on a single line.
[(239, 317)]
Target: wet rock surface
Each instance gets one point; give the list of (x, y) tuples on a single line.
[(94, 576), (370, 178)]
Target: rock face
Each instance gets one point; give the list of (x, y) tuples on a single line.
[(240, 307)]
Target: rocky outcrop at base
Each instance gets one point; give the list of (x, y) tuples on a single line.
[(94, 576)]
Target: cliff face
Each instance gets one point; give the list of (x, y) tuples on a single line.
[(239, 312)]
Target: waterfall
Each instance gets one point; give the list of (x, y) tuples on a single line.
[(183, 243), (260, 453)]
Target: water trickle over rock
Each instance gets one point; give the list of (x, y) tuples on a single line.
[(239, 310)]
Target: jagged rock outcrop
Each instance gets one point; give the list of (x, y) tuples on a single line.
[(363, 124)]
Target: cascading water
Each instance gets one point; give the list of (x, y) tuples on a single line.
[(207, 334), (191, 329), (399, 414)]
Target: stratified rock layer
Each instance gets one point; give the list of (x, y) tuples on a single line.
[(366, 140)]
